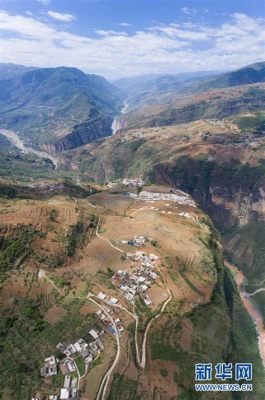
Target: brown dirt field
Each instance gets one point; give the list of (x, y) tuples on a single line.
[(158, 295), (97, 255), (35, 213), (13, 286), (88, 309), (112, 202), (164, 384), (55, 314)]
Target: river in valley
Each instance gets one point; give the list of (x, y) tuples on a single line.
[(16, 141), (117, 122), (253, 311)]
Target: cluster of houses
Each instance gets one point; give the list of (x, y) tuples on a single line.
[(223, 124), (80, 348), (140, 280), (133, 182), (177, 198), (105, 319), (86, 351)]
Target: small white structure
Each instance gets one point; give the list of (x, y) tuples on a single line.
[(78, 347), (50, 360), (102, 296), (64, 394), (113, 300)]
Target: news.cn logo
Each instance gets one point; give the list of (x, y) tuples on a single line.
[(223, 372)]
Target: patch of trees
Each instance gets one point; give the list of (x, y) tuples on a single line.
[(79, 233), (11, 249)]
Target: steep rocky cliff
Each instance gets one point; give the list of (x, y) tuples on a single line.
[(232, 194), (83, 133)]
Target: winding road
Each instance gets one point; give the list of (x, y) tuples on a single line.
[(256, 291), (107, 240), (105, 380)]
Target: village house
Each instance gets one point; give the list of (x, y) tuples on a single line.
[(70, 394), (50, 367), (70, 365), (84, 353), (137, 241), (63, 368), (67, 381), (89, 358), (94, 347)]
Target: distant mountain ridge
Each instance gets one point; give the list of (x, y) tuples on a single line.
[(9, 70), (57, 109), (147, 89), (247, 75), (166, 100), (46, 105), (168, 88)]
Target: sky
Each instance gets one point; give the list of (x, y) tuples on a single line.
[(123, 38)]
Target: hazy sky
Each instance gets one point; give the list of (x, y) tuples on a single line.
[(119, 38)]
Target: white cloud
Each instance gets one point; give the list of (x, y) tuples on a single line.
[(162, 48), (61, 17), (125, 24), (44, 2), (102, 32), (188, 11)]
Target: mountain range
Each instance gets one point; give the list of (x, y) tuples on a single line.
[(50, 106), (57, 109)]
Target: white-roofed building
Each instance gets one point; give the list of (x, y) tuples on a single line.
[(64, 394), (102, 296), (113, 300), (94, 333)]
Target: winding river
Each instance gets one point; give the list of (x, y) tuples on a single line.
[(117, 122), (251, 308), (16, 141)]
